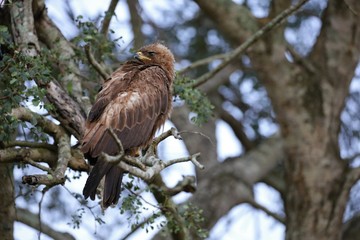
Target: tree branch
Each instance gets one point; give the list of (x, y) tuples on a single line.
[(38, 155), (249, 42), (151, 166), (203, 61), (30, 145), (94, 63), (22, 24), (68, 111), (170, 210), (147, 166), (49, 34), (136, 23), (267, 211), (107, 19), (187, 184), (32, 220), (64, 149), (238, 129)]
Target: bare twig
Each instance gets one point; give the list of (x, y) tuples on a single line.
[(94, 63), (302, 61), (201, 134), (249, 42), (267, 211), (38, 165), (203, 61), (118, 142), (171, 132), (191, 158), (140, 225), (238, 129)]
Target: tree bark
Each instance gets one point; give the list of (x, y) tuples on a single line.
[(7, 203)]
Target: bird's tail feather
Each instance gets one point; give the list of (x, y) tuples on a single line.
[(113, 177), (112, 186)]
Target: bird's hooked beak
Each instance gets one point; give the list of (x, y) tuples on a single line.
[(140, 56)]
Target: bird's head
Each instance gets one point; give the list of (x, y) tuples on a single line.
[(158, 54)]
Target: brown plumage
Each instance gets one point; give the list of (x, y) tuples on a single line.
[(135, 101)]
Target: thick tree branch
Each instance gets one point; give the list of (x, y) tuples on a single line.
[(136, 23), (67, 111), (187, 184), (42, 155), (22, 24), (49, 34), (49, 127), (32, 220), (108, 15), (249, 42), (30, 145)]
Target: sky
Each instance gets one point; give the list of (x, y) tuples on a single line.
[(242, 222)]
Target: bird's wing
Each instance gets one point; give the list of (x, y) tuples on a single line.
[(131, 105)]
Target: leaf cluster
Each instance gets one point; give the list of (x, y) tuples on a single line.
[(194, 98), (16, 72), (89, 33), (193, 218)]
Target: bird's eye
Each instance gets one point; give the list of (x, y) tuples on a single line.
[(151, 53)]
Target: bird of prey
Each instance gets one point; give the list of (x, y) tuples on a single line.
[(134, 102)]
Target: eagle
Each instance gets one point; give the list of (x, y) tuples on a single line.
[(134, 102)]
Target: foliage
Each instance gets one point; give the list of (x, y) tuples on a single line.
[(193, 217), (17, 71), (134, 206), (90, 34), (194, 98)]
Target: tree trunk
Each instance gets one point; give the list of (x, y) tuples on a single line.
[(316, 192), (308, 95), (7, 202)]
